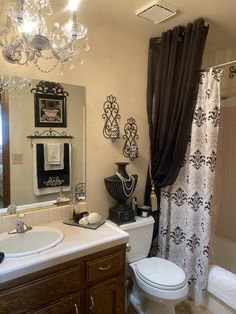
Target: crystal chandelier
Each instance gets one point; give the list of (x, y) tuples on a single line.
[(14, 85), (28, 40)]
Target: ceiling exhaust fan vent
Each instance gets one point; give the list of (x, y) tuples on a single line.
[(157, 11)]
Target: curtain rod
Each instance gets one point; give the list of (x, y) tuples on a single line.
[(219, 65)]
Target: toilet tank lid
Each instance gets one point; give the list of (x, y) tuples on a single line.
[(140, 221)]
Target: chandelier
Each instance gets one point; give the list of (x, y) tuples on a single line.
[(14, 85), (28, 40)]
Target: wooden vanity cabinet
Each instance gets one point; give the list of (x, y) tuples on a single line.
[(105, 297), (69, 305), (91, 284), (105, 284)]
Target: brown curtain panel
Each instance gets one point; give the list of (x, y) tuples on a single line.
[(173, 75)]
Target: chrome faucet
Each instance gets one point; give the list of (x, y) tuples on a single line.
[(21, 227)]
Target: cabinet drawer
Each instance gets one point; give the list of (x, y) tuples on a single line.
[(40, 292), (104, 266)]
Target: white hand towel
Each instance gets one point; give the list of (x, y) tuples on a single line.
[(48, 190), (48, 165), (53, 153), (222, 284)]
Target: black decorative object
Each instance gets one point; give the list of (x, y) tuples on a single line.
[(232, 71), (50, 104), (50, 133), (130, 148), (121, 187), (111, 116), (52, 88)]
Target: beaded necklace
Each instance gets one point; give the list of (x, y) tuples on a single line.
[(127, 184)]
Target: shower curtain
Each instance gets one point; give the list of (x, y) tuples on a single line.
[(185, 210)]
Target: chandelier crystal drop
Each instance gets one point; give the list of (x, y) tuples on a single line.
[(27, 39)]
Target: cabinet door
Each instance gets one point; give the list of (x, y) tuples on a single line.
[(106, 297), (39, 293), (68, 305)]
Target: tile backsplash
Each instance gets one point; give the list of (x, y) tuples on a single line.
[(39, 216)]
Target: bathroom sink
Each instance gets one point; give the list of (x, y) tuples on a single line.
[(37, 240)]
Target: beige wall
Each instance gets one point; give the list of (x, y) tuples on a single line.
[(224, 210), (116, 64), (226, 171)]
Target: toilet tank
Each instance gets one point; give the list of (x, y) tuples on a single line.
[(140, 237)]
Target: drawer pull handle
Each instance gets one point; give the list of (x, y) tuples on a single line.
[(105, 267), (91, 308), (128, 247), (76, 309)]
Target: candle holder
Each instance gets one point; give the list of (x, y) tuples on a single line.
[(111, 116), (232, 72), (130, 148)]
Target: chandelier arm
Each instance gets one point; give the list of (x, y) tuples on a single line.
[(14, 46), (61, 49), (58, 58)]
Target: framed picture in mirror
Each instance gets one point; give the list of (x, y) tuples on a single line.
[(50, 110)]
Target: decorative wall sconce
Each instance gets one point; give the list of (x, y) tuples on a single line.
[(232, 71), (111, 116), (130, 148)]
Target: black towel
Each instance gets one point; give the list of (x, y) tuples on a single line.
[(52, 178)]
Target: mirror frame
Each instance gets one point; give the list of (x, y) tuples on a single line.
[(5, 149), (6, 155)]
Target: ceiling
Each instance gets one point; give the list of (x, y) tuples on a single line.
[(220, 14)]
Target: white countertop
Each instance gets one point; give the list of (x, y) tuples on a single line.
[(77, 242)]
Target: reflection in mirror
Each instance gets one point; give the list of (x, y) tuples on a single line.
[(22, 117)]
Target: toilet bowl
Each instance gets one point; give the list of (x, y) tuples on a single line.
[(158, 284)]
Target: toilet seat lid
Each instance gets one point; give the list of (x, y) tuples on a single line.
[(160, 273)]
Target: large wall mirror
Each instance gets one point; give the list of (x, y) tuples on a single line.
[(22, 123)]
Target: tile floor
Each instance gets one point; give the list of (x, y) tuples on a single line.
[(185, 307)]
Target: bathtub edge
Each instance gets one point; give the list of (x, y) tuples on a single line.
[(210, 301)]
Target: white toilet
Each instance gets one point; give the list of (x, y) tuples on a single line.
[(158, 283)]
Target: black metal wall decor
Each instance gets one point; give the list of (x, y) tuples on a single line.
[(111, 116), (130, 148), (50, 104), (49, 133), (232, 71)]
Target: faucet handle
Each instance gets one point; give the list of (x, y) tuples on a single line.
[(21, 216)]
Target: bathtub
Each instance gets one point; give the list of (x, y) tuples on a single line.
[(224, 255)]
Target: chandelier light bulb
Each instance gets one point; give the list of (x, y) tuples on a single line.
[(73, 5), (28, 27)]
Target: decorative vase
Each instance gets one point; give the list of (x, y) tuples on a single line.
[(121, 187)]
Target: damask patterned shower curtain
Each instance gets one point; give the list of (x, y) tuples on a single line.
[(185, 211)]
